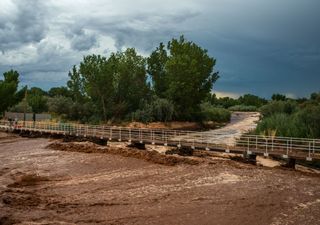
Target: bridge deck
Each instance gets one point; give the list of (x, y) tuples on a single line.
[(285, 147)]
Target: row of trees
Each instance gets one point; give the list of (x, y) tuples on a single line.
[(169, 84)]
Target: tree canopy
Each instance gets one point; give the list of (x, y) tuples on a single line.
[(183, 73), (9, 94)]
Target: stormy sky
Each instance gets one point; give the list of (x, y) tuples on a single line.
[(261, 46)]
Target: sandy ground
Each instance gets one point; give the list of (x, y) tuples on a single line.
[(44, 186)]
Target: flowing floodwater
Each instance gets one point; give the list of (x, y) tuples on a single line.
[(45, 186)]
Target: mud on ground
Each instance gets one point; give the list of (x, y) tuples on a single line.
[(40, 185)]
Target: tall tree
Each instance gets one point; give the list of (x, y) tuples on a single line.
[(36, 98), (76, 85), (8, 90), (38, 103), (98, 81), (130, 81), (157, 69), (186, 75)]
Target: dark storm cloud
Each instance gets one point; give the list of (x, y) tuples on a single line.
[(261, 46), (27, 25), (81, 40), (143, 32)]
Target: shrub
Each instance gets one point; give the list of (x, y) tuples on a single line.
[(60, 105), (211, 113), (21, 107), (281, 123), (244, 108), (304, 123), (143, 116), (162, 110), (309, 121), (158, 110), (275, 107)]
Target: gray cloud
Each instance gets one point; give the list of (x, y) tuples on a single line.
[(27, 25), (261, 46)]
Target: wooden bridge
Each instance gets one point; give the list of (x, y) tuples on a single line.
[(283, 147)]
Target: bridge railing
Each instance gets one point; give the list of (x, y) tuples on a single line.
[(267, 145), (285, 146)]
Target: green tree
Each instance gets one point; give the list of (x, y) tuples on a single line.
[(252, 100), (59, 91), (130, 81), (8, 90), (38, 103), (97, 80), (75, 85), (37, 91), (226, 102), (185, 75), (278, 97), (21, 107), (60, 105), (314, 96), (157, 70)]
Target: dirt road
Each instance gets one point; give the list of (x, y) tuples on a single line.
[(45, 186)]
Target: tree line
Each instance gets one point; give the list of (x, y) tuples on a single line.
[(173, 83), (170, 84)]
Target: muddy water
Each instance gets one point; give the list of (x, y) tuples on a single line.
[(241, 123), (45, 186)]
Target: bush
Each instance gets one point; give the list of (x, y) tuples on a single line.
[(68, 109), (158, 110), (275, 107), (21, 107), (281, 123), (211, 113), (60, 105), (162, 110), (244, 108), (309, 121), (304, 123), (143, 116)]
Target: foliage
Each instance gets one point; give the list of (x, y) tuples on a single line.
[(75, 85), (243, 108), (156, 68), (309, 120), (212, 113), (21, 107), (225, 102), (60, 105), (274, 107), (97, 81), (280, 122), (38, 103), (183, 73), (290, 119), (8, 90), (59, 91), (37, 91), (252, 100), (130, 81), (157, 110), (278, 97), (115, 85)]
